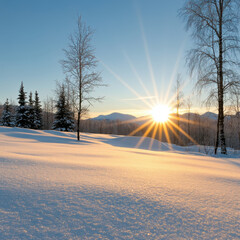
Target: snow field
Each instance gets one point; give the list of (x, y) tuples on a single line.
[(53, 187)]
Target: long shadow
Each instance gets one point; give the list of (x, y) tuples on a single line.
[(232, 162), (58, 133), (18, 130), (100, 138), (132, 142), (46, 139)]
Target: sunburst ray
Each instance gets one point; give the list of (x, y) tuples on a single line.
[(125, 84), (145, 135), (183, 132), (139, 79), (140, 128), (167, 136), (148, 57), (153, 135)]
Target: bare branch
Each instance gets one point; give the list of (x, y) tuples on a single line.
[(80, 64)]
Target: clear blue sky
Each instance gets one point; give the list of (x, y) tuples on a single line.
[(33, 34)]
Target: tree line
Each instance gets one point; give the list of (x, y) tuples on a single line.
[(58, 114), (29, 113)]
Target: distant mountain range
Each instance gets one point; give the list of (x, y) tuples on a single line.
[(192, 116), (115, 116), (127, 117), (210, 115)]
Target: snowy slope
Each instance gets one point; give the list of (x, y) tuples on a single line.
[(53, 187)]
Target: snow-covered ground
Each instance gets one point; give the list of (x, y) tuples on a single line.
[(53, 187)]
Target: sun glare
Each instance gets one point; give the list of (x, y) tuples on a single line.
[(160, 113), (159, 121)]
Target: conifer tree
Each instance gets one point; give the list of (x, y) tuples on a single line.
[(63, 117), (21, 114), (37, 112), (7, 117), (30, 112)]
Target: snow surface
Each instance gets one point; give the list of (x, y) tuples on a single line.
[(53, 187)]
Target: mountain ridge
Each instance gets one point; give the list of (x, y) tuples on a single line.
[(115, 116), (128, 117), (125, 117)]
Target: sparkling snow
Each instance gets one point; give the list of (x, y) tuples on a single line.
[(53, 187)]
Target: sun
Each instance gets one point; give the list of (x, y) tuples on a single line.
[(160, 113)]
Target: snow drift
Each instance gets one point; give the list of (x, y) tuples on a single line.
[(53, 187)]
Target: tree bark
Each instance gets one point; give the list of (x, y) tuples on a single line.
[(217, 137), (78, 126), (221, 125), (221, 92)]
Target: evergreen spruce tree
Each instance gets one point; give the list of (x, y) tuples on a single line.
[(30, 112), (22, 109), (37, 112), (63, 117), (7, 117)]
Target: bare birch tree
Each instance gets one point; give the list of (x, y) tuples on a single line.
[(214, 25), (80, 64)]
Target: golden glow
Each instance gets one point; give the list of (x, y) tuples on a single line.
[(160, 113), (161, 122)]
